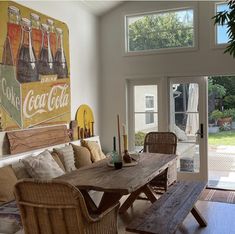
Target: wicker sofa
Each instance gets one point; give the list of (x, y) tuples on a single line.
[(9, 213)]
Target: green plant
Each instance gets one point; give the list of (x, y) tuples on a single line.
[(227, 113), (216, 114), (225, 127), (231, 113), (227, 17), (139, 138)]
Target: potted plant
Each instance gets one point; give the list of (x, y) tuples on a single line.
[(232, 114), (225, 118), (215, 116)]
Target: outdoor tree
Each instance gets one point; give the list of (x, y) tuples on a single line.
[(161, 31), (227, 17)]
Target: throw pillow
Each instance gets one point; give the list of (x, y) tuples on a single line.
[(42, 166), (56, 157), (95, 150), (181, 135), (7, 183), (82, 156), (67, 157), (20, 170)]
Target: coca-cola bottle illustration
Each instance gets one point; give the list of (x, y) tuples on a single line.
[(46, 60), (13, 25), (36, 33), (26, 65), (60, 61), (50, 23)]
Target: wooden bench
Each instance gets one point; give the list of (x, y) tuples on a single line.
[(166, 214)]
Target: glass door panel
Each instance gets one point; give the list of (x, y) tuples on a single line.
[(145, 112), (187, 121)]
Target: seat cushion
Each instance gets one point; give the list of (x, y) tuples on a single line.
[(67, 157), (42, 166), (7, 182), (82, 156), (95, 150)]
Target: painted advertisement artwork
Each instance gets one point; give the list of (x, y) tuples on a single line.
[(34, 69)]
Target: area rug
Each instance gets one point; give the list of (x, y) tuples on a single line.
[(216, 195)]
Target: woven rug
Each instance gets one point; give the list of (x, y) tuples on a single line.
[(216, 195)]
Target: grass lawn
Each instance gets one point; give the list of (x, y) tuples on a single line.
[(222, 138)]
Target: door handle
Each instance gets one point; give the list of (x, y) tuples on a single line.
[(200, 132)]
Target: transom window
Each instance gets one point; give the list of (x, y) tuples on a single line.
[(221, 31), (160, 30)]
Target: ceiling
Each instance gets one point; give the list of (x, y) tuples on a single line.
[(99, 7)]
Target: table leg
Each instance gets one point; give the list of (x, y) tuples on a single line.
[(146, 189), (91, 206), (108, 200), (195, 212)]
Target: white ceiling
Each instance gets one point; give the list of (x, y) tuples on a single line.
[(99, 7)]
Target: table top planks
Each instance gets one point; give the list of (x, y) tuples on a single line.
[(99, 176)]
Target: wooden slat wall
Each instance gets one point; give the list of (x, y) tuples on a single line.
[(27, 140)]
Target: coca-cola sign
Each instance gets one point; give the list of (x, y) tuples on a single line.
[(34, 68), (47, 101)]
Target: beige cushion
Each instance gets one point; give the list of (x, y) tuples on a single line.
[(95, 150), (8, 225), (7, 183), (67, 157), (20, 170), (42, 166), (82, 156), (57, 159)]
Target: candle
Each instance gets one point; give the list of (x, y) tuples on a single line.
[(114, 143), (124, 129), (119, 136)]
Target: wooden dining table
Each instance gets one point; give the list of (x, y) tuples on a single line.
[(114, 184)]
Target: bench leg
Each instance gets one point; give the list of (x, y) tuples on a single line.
[(195, 212)]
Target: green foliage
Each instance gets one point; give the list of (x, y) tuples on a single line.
[(230, 113), (160, 31), (229, 101), (139, 138), (217, 89), (225, 127), (227, 17), (216, 114)]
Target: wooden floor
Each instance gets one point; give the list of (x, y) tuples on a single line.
[(220, 218)]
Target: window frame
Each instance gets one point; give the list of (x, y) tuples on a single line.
[(149, 109), (162, 50), (216, 44)]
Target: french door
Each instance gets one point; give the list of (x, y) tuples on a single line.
[(188, 119), (172, 104)]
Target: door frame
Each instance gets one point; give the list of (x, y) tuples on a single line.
[(161, 83), (203, 119)]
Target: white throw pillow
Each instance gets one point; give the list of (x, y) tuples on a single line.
[(8, 225), (66, 155), (42, 166), (181, 135)]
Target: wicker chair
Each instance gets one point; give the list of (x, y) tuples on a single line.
[(164, 143), (58, 207)]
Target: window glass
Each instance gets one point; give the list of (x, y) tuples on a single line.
[(145, 112), (221, 31), (168, 29)]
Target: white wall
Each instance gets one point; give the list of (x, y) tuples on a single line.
[(83, 41), (116, 68)]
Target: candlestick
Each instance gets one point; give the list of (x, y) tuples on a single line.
[(119, 136), (125, 142)]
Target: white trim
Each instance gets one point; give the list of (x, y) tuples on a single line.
[(162, 50), (215, 44)]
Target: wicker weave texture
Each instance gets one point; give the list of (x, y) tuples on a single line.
[(160, 142), (164, 143), (56, 207)]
